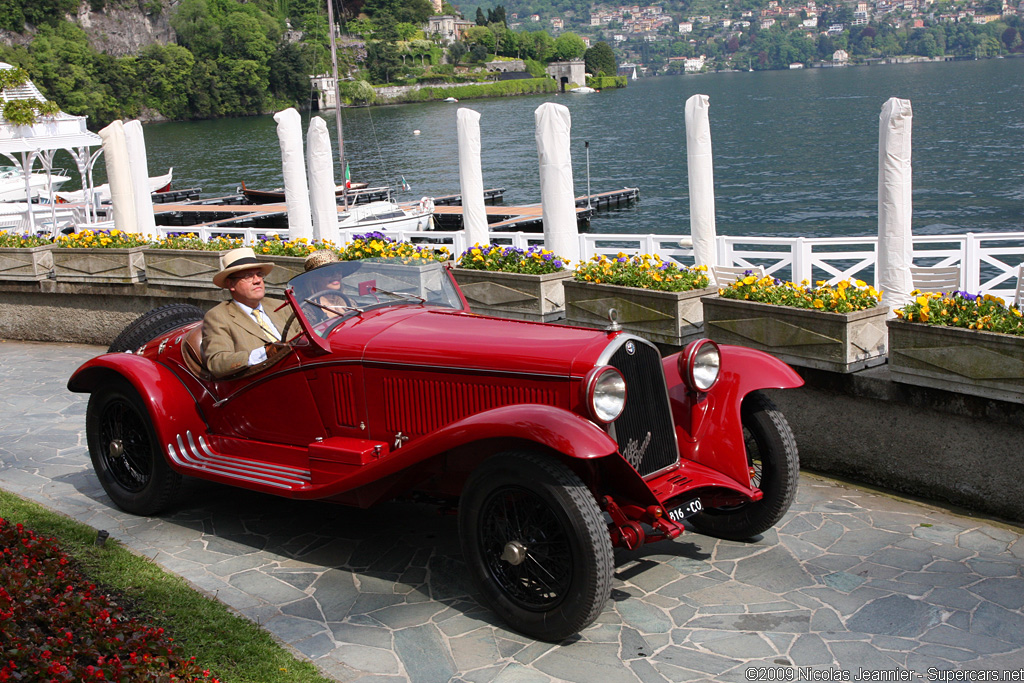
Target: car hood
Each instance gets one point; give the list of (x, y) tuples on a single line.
[(461, 340)]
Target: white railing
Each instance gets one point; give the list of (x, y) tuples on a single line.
[(988, 261)]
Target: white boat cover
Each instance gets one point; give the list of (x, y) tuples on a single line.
[(138, 165), (895, 207), (119, 174), (471, 178), (558, 199), (701, 178), (320, 163), (293, 167)]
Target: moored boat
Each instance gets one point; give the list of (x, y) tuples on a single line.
[(276, 196), (158, 183), (12, 184)]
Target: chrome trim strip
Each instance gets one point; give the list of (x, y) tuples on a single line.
[(203, 457)]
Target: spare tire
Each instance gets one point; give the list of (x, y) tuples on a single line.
[(151, 325)]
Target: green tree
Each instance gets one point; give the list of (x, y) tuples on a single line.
[(289, 74), (481, 20), (406, 30), (600, 59), (480, 35), (569, 46), (383, 61), (168, 70), (196, 29), (244, 38), (456, 51)]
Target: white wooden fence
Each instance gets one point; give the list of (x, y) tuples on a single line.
[(988, 262)]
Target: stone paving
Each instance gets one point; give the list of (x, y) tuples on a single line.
[(851, 584)]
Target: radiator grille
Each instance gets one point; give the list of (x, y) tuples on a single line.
[(417, 406), (645, 431)]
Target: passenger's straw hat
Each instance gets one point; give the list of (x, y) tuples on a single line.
[(243, 258), (319, 258)]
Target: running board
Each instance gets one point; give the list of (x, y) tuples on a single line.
[(204, 459)]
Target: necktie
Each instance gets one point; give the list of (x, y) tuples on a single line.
[(265, 324)]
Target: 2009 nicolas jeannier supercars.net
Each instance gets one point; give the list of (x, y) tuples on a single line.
[(556, 443)]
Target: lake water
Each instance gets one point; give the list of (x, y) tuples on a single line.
[(795, 152)]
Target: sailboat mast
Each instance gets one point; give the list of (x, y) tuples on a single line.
[(337, 102)]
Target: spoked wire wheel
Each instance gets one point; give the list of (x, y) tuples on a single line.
[(125, 451), (125, 448), (526, 548), (536, 544)]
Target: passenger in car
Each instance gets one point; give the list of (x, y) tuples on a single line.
[(331, 281), (241, 333)]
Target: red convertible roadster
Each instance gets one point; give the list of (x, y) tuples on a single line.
[(556, 443)]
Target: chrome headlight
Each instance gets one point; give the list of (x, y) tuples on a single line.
[(700, 365), (606, 394)]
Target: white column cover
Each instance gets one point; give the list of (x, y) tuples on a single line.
[(293, 167), (557, 196), (701, 178), (135, 140), (119, 176), (471, 178), (320, 161), (895, 239)]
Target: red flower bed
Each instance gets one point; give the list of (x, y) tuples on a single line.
[(56, 626)]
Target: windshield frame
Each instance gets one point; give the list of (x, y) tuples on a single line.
[(370, 284)]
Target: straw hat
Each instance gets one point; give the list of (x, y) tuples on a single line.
[(319, 258), (243, 258)]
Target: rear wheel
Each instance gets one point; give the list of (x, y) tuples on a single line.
[(775, 469), (154, 323), (125, 451), (536, 544)]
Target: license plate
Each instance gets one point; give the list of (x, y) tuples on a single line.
[(684, 510)]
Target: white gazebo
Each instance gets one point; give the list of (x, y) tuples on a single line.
[(23, 145)]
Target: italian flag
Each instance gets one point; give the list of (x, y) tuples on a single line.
[(348, 177)]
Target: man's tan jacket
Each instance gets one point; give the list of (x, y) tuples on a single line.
[(230, 335)]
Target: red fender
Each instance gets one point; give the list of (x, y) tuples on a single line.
[(172, 409), (709, 426)]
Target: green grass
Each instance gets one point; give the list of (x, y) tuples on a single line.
[(232, 647)]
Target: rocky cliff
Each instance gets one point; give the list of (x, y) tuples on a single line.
[(116, 30)]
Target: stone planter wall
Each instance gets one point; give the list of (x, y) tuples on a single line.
[(26, 265), (965, 361), (674, 318), (540, 298), (285, 268), (99, 266), (182, 267), (839, 342)]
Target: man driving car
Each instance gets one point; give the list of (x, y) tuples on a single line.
[(239, 333)]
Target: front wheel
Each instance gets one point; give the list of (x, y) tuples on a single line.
[(774, 467), (536, 545), (125, 451)]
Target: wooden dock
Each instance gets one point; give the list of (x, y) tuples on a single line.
[(234, 212)]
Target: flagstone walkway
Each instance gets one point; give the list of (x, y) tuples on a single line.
[(851, 584)]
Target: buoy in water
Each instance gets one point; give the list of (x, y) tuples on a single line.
[(416, 132)]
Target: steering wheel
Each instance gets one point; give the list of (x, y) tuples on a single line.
[(317, 311), (315, 296)]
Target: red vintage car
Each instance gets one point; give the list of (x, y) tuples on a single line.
[(556, 443)]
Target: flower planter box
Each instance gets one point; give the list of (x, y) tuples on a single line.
[(182, 267), (674, 318), (839, 342), (520, 296), (29, 264), (99, 266), (971, 362)]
